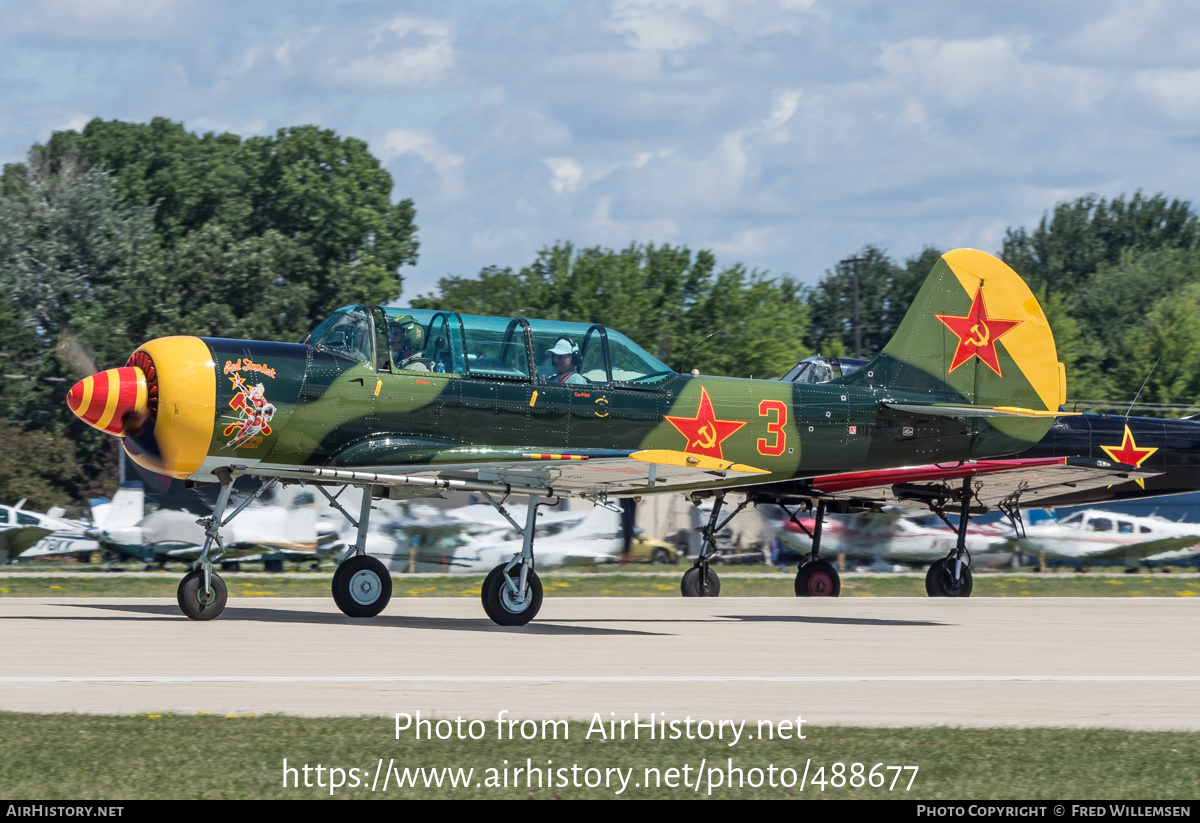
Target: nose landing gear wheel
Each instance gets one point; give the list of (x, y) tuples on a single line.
[(940, 582), (505, 606), (197, 603), (818, 579), (692, 584), (362, 586)]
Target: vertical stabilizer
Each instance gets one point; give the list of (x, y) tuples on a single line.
[(127, 508), (974, 335)]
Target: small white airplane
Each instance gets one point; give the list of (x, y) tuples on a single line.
[(473, 539), (1098, 535), (904, 536), (290, 527), (27, 535)]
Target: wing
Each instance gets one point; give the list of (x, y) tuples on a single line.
[(1089, 546), (1163, 545), (524, 471), (1013, 483)]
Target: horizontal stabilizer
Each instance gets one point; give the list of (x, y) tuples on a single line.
[(943, 410), (668, 457)]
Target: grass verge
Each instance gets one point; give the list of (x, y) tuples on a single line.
[(88, 757), (631, 584)]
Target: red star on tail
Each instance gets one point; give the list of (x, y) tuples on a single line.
[(977, 334)]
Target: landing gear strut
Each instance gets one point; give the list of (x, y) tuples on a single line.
[(700, 580), (512, 592), (951, 576), (362, 586), (202, 592), (815, 577)]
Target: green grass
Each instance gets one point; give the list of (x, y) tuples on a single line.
[(631, 583), (89, 757)]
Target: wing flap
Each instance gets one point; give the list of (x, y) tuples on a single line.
[(546, 473)]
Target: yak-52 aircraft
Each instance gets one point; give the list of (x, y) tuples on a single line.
[(549, 409)]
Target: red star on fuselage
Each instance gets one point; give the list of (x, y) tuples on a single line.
[(977, 334), (704, 432), (1129, 453)]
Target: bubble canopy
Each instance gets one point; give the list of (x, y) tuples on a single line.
[(493, 348)]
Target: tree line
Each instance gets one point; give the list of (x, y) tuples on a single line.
[(122, 232)]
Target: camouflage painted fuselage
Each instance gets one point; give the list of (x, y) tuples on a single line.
[(217, 402)]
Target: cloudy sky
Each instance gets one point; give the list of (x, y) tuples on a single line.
[(782, 134)]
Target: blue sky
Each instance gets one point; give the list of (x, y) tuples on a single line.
[(782, 134)]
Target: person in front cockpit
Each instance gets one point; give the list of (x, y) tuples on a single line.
[(566, 359), (406, 339)]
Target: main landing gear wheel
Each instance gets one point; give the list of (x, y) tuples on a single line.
[(362, 586), (503, 604), (197, 603), (692, 584), (818, 579), (940, 582)]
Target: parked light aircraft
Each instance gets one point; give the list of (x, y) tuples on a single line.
[(1097, 535), (549, 409), (472, 539), (23, 531), (288, 528), (896, 535)]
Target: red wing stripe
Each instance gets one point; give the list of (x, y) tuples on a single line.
[(849, 481)]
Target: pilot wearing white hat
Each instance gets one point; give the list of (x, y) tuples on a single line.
[(566, 359)]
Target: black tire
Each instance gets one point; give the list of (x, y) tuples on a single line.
[(362, 586), (501, 605), (818, 579), (691, 585), (940, 582), (931, 573), (192, 600), (660, 557)]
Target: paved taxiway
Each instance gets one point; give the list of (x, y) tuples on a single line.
[(1120, 662)]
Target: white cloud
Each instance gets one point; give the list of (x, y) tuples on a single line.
[(783, 135), (654, 25), (566, 173), (100, 20), (1176, 93), (447, 165), (74, 123), (402, 53)]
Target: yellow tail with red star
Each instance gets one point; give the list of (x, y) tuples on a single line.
[(975, 335)]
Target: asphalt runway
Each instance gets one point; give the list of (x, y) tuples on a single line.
[(1117, 663)]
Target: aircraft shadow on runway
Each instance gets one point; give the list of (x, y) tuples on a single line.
[(835, 621), (161, 612)]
